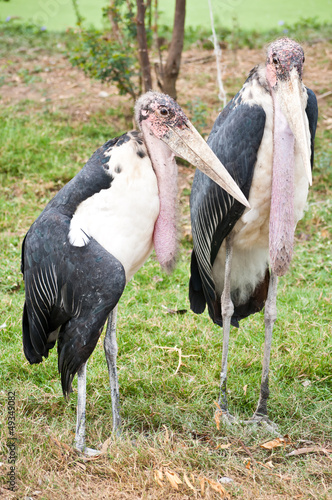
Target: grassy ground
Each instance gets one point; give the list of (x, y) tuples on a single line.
[(52, 119)]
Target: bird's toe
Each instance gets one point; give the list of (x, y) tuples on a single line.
[(88, 452), (225, 417), (263, 421)]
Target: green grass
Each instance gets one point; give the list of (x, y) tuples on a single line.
[(250, 15), (168, 415)]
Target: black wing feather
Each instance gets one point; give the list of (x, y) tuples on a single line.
[(235, 139), (68, 289), (312, 114)]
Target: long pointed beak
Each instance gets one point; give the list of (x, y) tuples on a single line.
[(188, 144), (290, 98)]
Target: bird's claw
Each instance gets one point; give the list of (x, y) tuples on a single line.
[(229, 419), (91, 452), (88, 452), (226, 418), (263, 421)]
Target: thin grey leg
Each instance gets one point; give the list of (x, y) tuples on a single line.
[(270, 316), (81, 402), (80, 419), (227, 309), (111, 351)]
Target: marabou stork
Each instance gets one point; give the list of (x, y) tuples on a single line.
[(97, 232), (265, 139)]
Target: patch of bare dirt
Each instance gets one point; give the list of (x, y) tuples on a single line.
[(198, 77), (54, 80)]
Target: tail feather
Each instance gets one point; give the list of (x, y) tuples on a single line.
[(75, 347), (196, 292), (29, 351)]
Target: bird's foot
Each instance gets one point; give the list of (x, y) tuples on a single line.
[(225, 417), (228, 419), (84, 450), (91, 452), (263, 421), (88, 452)]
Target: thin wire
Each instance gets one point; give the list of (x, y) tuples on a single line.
[(217, 50)]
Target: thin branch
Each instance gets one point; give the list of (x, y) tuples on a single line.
[(178, 350)]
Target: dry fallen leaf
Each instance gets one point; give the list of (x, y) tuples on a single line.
[(245, 389), (218, 488), (275, 443), (267, 465), (188, 483), (158, 476), (311, 449), (173, 478), (105, 445), (217, 415), (223, 446), (166, 438), (202, 483)]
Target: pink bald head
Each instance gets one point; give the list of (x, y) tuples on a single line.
[(160, 113), (282, 56)]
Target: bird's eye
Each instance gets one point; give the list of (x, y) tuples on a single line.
[(163, 111), (275, 60)]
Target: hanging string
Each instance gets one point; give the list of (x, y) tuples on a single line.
[(218, 53)]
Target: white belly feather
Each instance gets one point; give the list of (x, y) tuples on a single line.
[(251, 232), (122, 218)]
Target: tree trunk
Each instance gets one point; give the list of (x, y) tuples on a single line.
[(143, 46), (115, 31), (172, 66)]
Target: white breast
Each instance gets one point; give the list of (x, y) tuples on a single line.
[(252, 229), (122, 218), (251, 232)]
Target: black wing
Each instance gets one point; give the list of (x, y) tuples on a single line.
[(312, 114), (235, 139), (70, 290)]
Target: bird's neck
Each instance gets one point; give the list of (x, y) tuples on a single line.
[(281, 231), (165, 230)]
